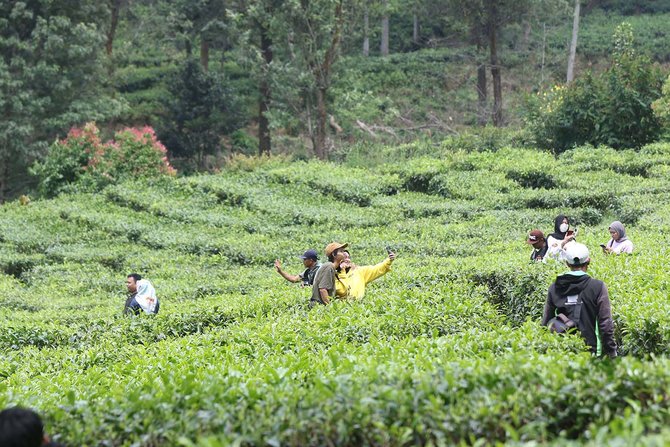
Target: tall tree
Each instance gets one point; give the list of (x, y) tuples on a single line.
[(366, 31), (384, 46), (262, 19), (482, 93), (115, 10), (51, 77), (415, 28), (573, 43), (494, 21), (265, 92), (316, 32), (486, 19), (200, 110), (196, 23)]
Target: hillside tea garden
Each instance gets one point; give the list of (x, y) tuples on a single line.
[(446, 349)]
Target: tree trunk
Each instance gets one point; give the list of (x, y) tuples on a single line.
[(321, 118), (204, 54), (495, 74), (384, 47), (415, 29), (527, 28), (366, 33), (116, 8), (321, 72), (573, 43), (310, 121), (544, 51), (482, 95), (482, 117), (4, 180), (264, 138)]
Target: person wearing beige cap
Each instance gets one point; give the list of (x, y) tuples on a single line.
[(540, 246), (324, 281)]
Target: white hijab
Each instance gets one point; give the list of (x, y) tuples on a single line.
[(146, 296)]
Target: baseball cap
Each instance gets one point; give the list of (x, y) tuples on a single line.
[(310, 254), (330, 248), (576, 253), (534, 236)]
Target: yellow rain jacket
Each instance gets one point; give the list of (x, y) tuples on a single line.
[(351, 285)]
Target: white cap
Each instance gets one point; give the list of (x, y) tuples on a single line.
[(576, 253)]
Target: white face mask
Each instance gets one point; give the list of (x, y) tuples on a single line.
[(564, 227)]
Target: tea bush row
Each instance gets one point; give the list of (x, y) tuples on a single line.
[(445, 349)]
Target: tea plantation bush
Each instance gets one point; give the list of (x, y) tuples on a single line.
[(446, 349)]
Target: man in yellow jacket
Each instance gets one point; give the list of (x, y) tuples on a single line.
[(352, 279)]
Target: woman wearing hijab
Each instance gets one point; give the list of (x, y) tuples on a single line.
[(146, 297), (352, 279), (560, 237), (619, 243)]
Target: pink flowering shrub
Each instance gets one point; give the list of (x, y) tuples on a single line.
[(83, 160)]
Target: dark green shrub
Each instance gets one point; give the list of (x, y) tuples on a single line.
[(241, 141), (200, 109), (517, 294), (487, 138), (662, 105), (630, 7), (532, 179), (589, 216), (613, 108)]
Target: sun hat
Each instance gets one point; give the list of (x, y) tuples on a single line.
[(330, 248)]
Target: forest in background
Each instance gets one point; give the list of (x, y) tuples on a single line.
[(320, 77)]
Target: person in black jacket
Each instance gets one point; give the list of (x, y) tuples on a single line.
[(584, 301)]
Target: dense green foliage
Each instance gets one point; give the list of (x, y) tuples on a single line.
[(199, 111), (445, 349), (612, 108), (662, 105), (51, 77), (212, 76), (83, 161)]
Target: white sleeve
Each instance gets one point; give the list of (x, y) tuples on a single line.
[(144, 303), (554, 248)]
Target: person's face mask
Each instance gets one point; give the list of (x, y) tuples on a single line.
[(564, 227)]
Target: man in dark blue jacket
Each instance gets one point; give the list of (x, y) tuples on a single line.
[(583, 302)]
